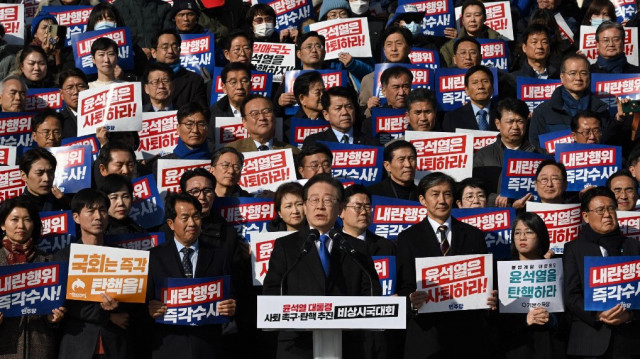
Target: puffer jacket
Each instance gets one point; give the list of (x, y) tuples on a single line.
[(144, 18)]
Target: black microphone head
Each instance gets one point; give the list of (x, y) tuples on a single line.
[(314, 234)]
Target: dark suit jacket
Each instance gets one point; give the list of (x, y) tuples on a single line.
[(328, 135), (188, 87), (440, 335), (247, 145), (69, 123), (379, 246), (464, 117), (170, 341), (307, 278)]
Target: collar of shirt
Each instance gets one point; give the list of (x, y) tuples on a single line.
[(268, 144), (542, 75), (340, 134), (157, 109), (329, 241), (435, 226), (236, 112), (477, 108)]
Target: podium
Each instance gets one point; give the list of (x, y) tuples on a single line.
[(327, 316)]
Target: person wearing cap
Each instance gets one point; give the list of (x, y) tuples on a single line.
[(185, 14), (409, 17), (47, 41)]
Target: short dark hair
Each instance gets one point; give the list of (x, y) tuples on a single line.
[(406, 34), (465, 39), (114, 183), (21, 202), (259, 9), (355, 189), (394, 72), (479, 3), (338, 91), (234, 66), (103, 43), (29, 49), (622, 173), (173, 198), (552, 162), (156, 66), (312, 149), (249, 98), (392, 146), (475, 69), (40, 116), (226, 44), (156, 37), (303, 82), (72, 72), (573, 56), (101, 11), (514, 105), (634, 156), (196, 172), (324, 178), (221, 151), (293, 188), (434, 179), (421, 94), (191, 108), (609, 25), (583, 114), (593, 192), (303, 37), (28, 158), (104, 156), (533, 221), (533, 29), (88, 198), (469, 182)]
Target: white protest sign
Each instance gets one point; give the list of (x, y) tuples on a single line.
[(565, 31), (451, 153), (629, 222), (525, 285), (589, 47), (159, 134), (7, 155), (274, 58), (563, 222), (349, 35), (267, 170), (480, 138), (170, 171), (118, 107), (12, 18), (261, 247)]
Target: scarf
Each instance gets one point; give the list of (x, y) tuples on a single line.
[(614, 65), (175, 67), (18, 253), (198, 153), (611, 242), (571, 105)]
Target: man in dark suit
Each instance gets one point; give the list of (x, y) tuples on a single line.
[(158, 84), (72, 81), (440, 335), (613, 333), (400, 164), (475, 115), (325, 270), (185, 256), (339, 108)]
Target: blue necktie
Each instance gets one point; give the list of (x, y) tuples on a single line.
[(481, 118), (325, 257)]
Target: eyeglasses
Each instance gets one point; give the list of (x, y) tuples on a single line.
[(611, 40), (265, 112), (47, 133), (587, 133), (71, 87), (309, 47), (189, 125), (471, 197), (600, 210), (628, 191), (174, 47), (527, 233), (226, 165), (261, 19), (239, 49), (327, 201), (195, 192), (359, 207), (573, 74), (316, 166), (554, 180), (342, 14), (234, 83), (156, 83)]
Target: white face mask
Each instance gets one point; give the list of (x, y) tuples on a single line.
[(359, 7), (104, 25), (263, 30)]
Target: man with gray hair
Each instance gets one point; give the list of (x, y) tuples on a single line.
[(611, 57), (13, 94)]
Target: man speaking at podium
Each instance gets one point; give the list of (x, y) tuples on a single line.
[(319, 261)]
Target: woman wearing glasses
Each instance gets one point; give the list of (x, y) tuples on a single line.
[(471, 194), (289, 205)]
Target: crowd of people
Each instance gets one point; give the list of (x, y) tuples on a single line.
[(201, 243)]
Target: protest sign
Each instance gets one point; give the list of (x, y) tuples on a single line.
[(609, 281), (388, 123), (58, 231), (301, 128), (39, 99), (518, 173), (535, 91), (495, 224), (118, 107), (267, 170), (550, 140), (449, 87), (481, 139), (15, 129), (425, 57), (74, 17), (159, 134), (349, 35), (358, 162), (438, 14), (608, 86), (290, 13), (422, 78), (193, 301), (589, 47), (261, 248), (442, 152), (563, 28), (120, 273), (274, 58), (330, 78), (588, 165), (148, 208), (196, 52), (563, 222), (139, 241), (12, 19), (495, 53), (89, 140), (11, 183), (454, 283), (170, 171), (229, 129), (7, 155), (32, 289), (625, 9), (498, 18), (81, 45), (386, 269), (30, 8), (629, 222), (525, 285), (73, 171), (390, 216), (247, 215)]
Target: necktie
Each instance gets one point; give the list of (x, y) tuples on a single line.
[(263, 148), (325, 257), (444, 243), (481, 118), (186, 261), (345, 139)]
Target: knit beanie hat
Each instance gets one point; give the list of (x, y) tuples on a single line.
[(36, 21), (328, 5)]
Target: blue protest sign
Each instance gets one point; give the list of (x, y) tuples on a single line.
[(495, 224), (357, 162), (535, 91), (32, 289), (58, 231), (192, 301), (439, 14), (39, 99), (550, 140), (588, 165), (246, 214), (518, 173), (390, 216), (88, 140), (81, 45), (625, 9), (74, 17), (301, 128), (425, 57), (139, 241), (422, 78), (386, 268), (290, 14), (73, 171), (15, 129), (611, 280), (148, 208), (449, 87), (388, 123), (608, 86), (495, 53), (196, 52), (260, 84)]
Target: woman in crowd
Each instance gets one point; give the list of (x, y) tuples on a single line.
[(471, 194), (27, 336), (34, 68), (308, 89), (289, 204), (119, 190)]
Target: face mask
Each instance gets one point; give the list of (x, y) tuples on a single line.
[(104, 25), (359, 7), (263, 30), (596, 21), (413, 27)]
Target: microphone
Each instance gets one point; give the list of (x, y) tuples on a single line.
[(306, 248), (344, 246)]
